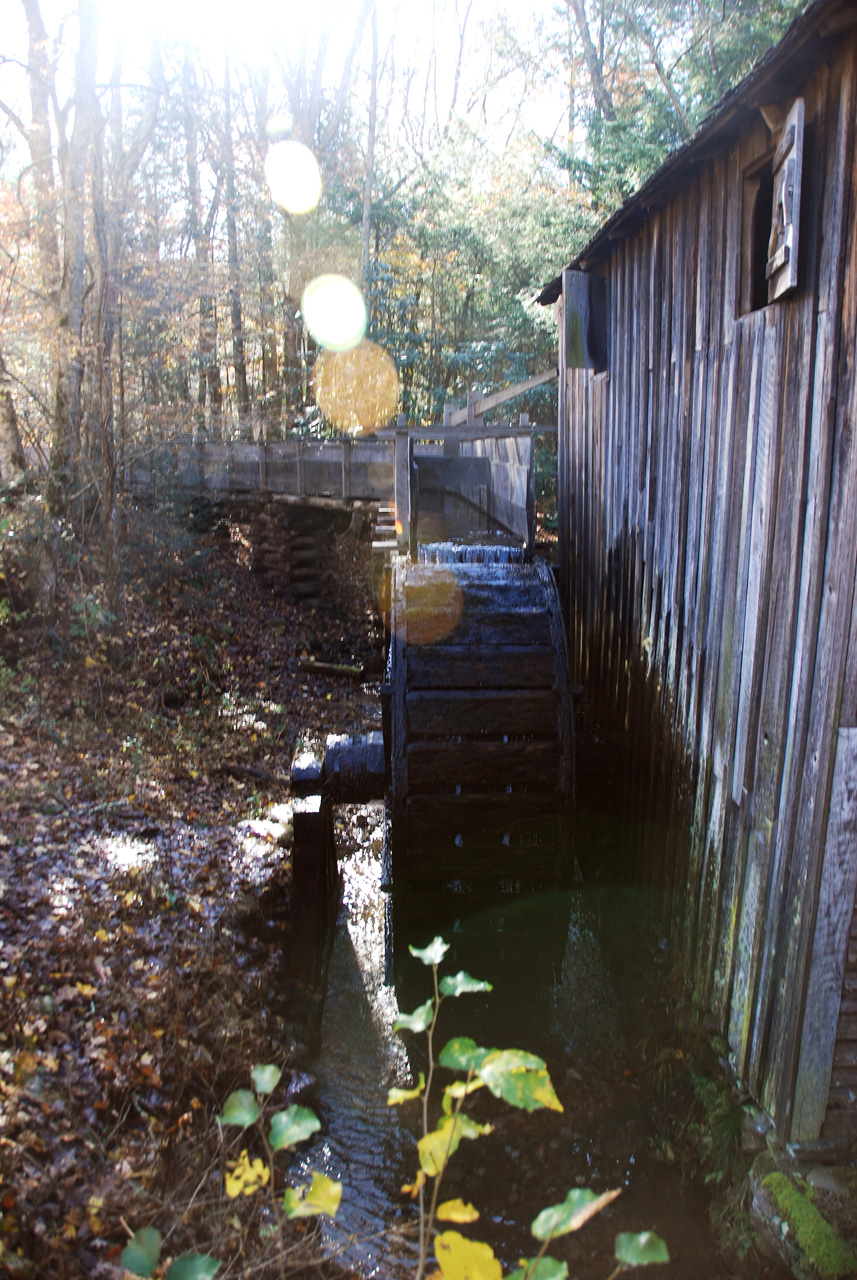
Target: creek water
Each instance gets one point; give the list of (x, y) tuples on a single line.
[(583, 1002), (574, 981)]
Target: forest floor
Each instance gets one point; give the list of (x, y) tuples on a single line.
[(144, 890)]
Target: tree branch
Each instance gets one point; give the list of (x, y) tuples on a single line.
[(594, 64)]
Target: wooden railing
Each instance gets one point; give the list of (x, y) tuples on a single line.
[(489, 467)]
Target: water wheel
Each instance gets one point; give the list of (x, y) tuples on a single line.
[(480, 723)]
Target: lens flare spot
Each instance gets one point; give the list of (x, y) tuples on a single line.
[(434, 609), (334, 312), (293, 175), (357, 390)]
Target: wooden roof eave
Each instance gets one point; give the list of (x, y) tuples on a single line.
[(775, 74)]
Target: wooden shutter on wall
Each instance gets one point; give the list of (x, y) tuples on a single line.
[(586, 330), (781, 270)]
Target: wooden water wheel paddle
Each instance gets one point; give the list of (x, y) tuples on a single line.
[(481, 731)]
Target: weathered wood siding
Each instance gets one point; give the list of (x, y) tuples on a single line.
[(708, 500)]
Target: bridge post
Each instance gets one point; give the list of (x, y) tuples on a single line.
[(346, 467), (402, 491), (474, 395)]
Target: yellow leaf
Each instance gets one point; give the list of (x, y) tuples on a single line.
[(413, 1189), (456, 1211), (86, 988), (102, 935), (462, 1259), (246, 1176), (89, 661)]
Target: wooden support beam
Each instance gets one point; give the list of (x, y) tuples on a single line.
[(402, 498), (461, 416)]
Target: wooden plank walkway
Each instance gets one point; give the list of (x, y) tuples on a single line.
[(489, 467)]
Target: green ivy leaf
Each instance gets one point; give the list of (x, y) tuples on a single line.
[(322, 1196), (640, 1249), (194, 1266), (462, 984), (433, 953), (463, 1054), (435, 1148), (241, 1108), (520, 1079), (266, 1078), (140, 1256), (292, 1126), (545, 1269), (577, 1208), (419, 1020), (397, 1096)]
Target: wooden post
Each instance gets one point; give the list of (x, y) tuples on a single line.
[(413, 500), (402, 498), (473, 398), (313, 866), (346, 467)]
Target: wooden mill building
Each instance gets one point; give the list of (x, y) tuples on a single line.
[(708, 531)]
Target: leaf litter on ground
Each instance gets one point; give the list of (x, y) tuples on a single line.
[(144, 879)]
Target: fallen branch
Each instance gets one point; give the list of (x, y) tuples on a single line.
[(313, 667)]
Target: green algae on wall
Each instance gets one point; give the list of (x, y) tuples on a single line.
[(825, 1254)]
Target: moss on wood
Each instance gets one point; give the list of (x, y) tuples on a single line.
[(825, 1253)]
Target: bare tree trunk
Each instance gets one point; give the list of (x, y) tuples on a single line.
[(41, 75), (108, 229), (65, 441), (13, 464), (646, 38), (369, 172), (594, 62), (271, 390), (242, 394), (208, 364)]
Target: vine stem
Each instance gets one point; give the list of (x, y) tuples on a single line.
[(270, 1154), (421, 1267)]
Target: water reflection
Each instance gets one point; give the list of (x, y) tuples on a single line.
[(365, 1144)]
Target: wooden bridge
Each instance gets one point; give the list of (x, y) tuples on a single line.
[(490, 468)]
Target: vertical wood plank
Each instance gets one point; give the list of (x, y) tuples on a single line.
[(830, 945)]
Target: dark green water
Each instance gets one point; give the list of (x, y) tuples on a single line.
[(581, 1003)]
